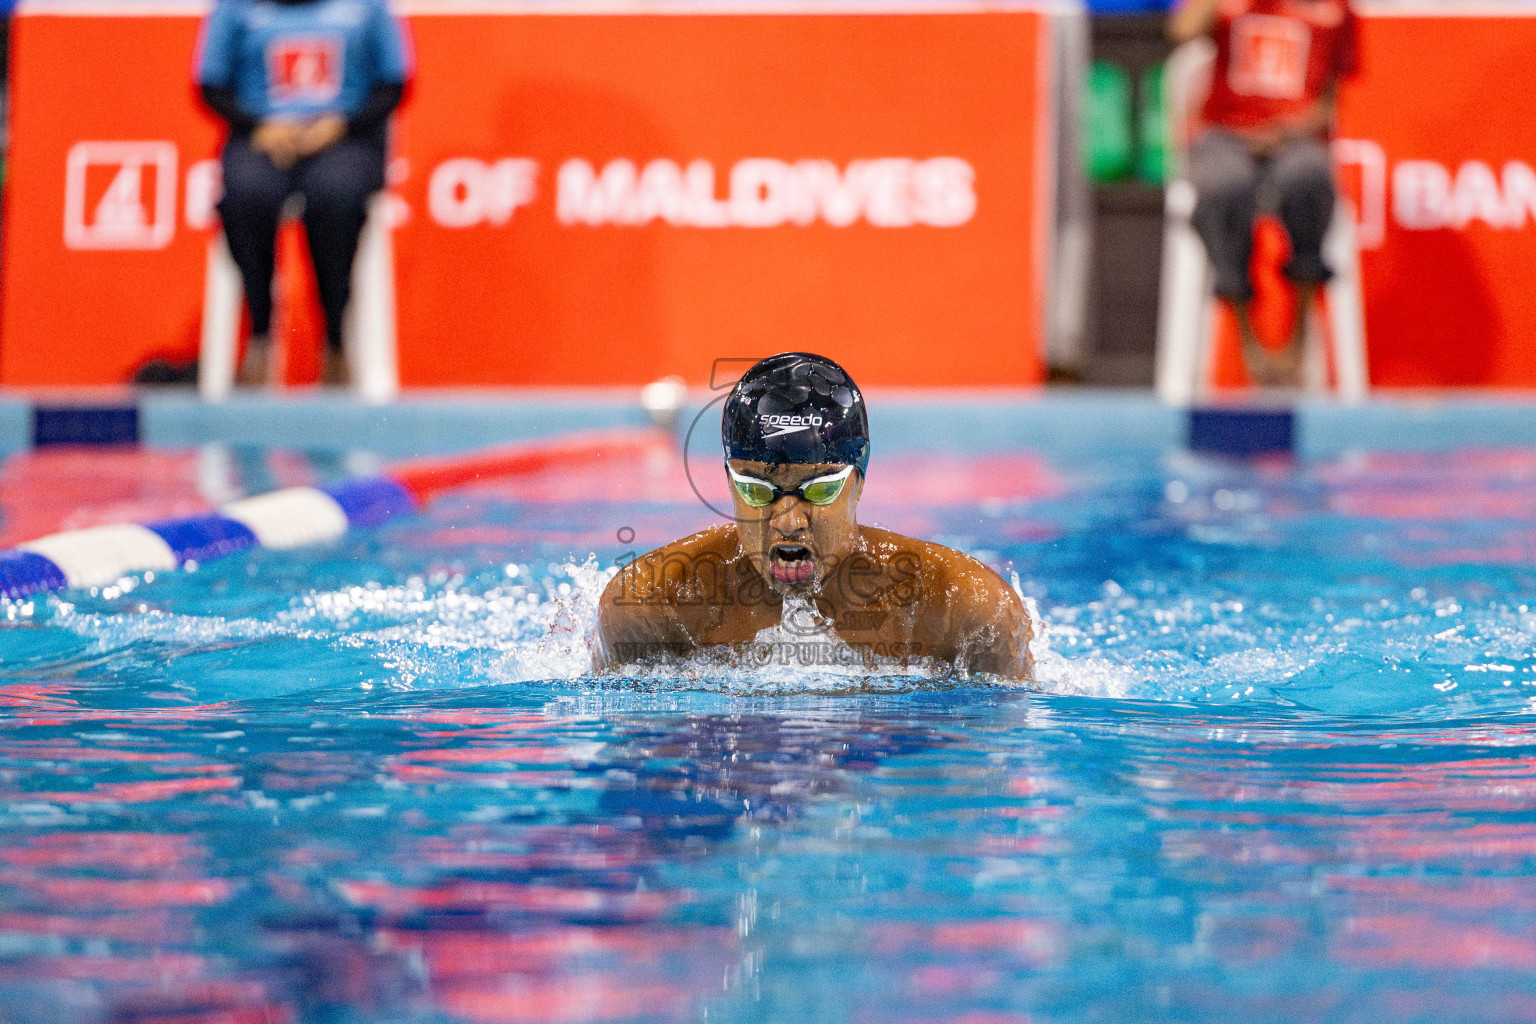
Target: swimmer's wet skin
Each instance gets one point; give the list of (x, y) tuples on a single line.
[(797, 564)]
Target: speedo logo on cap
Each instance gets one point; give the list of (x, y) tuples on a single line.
[(777, 425)]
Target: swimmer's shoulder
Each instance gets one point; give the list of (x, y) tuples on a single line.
[(948, 577), (655, 576), (965, 611), (642, 613)]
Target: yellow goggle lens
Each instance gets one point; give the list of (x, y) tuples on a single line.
[(823, 492), (754, 494)]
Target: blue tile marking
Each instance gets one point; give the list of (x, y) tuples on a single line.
[(15, 425), (23, 573), (200, 538), (79, 424), (371, 500), (1241, 432)]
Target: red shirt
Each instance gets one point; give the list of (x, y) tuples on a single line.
[(1274, 58)]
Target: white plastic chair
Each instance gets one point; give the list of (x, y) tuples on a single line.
[(1186, 307), (368, 333)]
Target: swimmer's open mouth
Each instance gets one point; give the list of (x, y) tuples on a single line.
[(791, 564)]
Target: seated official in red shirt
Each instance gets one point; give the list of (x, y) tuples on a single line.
[(1262, 145)]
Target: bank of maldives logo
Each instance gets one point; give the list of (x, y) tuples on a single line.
[(304, 69), (120, 195)]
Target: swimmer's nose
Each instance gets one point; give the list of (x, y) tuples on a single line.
[(789, 516)]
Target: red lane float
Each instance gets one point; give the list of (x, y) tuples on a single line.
[(426, 478)]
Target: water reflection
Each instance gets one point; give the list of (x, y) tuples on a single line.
[(1307, 798), (485, 864), (1421, 849), (976, 857)]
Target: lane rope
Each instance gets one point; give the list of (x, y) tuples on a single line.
[(290, 518)]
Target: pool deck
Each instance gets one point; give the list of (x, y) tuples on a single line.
[(1060, 422)]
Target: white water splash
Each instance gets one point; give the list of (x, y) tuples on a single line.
[(444, 635), (537, 628), (428, 638), (1055, 673)]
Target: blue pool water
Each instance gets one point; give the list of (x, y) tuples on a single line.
[(1278, 768)]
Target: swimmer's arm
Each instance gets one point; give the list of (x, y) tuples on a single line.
[(634, 625), (1000, 632)]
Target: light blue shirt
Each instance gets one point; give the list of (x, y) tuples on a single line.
[(302, 59)]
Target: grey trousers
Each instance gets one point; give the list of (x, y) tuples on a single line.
[(1232, 188)]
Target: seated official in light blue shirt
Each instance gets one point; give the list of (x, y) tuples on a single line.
[(307, 87)]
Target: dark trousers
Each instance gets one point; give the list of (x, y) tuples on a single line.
[(335, 183), (1232, 187)]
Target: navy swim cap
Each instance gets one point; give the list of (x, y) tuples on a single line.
[(796, 407)]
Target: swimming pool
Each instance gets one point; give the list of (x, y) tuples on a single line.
[(1279, 770)]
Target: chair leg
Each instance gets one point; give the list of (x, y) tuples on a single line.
[(1210, 310), (1184, 306), (222, 295), (370, 323), (1315, 350), (1346, 308)]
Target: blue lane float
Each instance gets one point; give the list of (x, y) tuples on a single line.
[(23, 573), (294, 517), (290, 518)]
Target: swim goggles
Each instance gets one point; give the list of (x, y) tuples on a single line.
[(819, 490)]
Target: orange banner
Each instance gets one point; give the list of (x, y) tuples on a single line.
[(581, 199), (1442, 167), (107, 206)]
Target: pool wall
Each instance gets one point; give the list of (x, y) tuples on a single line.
[(1057, 422)]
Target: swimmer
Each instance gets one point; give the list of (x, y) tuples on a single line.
[(795, 571)]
